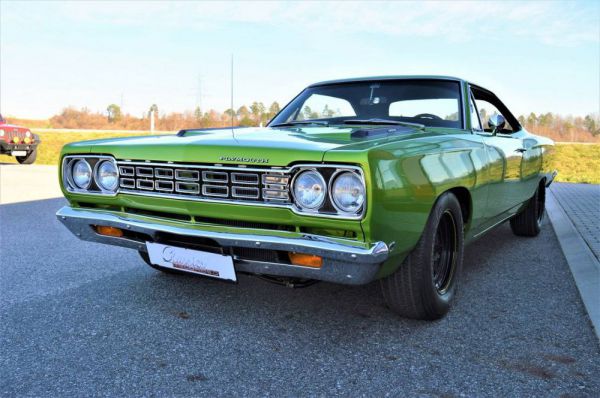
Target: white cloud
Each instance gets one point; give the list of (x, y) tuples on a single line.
[(552, 23)]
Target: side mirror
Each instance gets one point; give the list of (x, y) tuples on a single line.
[(496, 122)]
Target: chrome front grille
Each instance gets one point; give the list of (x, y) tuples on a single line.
[(218, 183)]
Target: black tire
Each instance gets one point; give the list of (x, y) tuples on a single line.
[(27, 159), (146, 258), (426, 282), (528, 222)]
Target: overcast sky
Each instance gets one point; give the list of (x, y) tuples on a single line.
[(537, 56)]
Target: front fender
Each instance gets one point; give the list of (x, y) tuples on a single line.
[(406, 180)]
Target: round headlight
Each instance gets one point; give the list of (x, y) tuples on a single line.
[(348, 192), (309, 189), (28, 133), (1, 133), (82, 174), (107, 176)]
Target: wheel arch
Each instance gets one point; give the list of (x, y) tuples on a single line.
[(465, 200)]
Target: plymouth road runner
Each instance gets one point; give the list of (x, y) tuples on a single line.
[(383, 178)]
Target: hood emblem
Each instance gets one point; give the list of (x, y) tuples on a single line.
[(243, 159)]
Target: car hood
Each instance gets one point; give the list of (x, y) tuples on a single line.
[(265, 146), (7, 126)]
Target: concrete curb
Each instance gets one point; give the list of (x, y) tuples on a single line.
[(584, 265)]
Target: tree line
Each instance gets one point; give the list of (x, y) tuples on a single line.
[(563, 128), (558, 127), (114, 119)]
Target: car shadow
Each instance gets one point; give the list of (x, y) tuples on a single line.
[(121, 274)]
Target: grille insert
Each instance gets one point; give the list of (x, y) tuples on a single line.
[(214, 183)]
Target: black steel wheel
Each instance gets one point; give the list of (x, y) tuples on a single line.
[(528, 222), (444, 252), (425, 284)]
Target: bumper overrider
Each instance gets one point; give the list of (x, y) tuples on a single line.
[(345, 262)]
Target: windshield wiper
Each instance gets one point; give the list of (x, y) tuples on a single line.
[(383, 121), (301, 122)]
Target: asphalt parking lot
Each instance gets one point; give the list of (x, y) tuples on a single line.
[(82, 319)]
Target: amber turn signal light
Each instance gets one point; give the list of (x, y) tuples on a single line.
[(306, 260), (109, 231)]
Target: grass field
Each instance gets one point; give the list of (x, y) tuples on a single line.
[(574, 162)]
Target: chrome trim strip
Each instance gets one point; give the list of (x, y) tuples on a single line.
[(235, 194), (267, 195), (149, 187), (146, 172), (220, 195), (127, 171), (168, 173), (235, 176), (127, 183), (195, 190), (195, 175), (157, 186), (279, 178), (80, 220), (207, 178)]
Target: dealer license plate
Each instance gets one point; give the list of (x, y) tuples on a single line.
[(194, 261), (19, 153)]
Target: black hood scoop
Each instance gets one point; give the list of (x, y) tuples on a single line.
[(381, 131)]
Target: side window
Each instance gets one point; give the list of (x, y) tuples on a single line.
[(487, 109), (475, 122), (323, 106)]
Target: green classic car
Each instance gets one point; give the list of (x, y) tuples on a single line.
[(379, 178)]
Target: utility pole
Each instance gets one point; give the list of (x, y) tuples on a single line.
[(200, 91), (232, 111)]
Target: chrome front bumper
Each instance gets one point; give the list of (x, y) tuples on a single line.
[(343, 262)]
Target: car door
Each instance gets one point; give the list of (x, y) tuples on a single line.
[(505, 151)]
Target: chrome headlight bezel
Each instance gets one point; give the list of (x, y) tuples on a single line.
[(319, 177), (98, 176), (328, 208), (93, 188), (88, 170), (335, 200)]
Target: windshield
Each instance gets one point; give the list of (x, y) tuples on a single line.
[(434, 103)]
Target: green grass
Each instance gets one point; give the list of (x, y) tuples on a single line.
[(577, 163), (574, 162), (52, 142)]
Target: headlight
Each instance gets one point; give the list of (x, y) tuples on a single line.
[(348, 192), (1, 133), (107, 176), (82, 174), (28, 133), (309, 189)]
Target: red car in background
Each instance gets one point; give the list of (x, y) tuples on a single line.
[(18, 141)]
